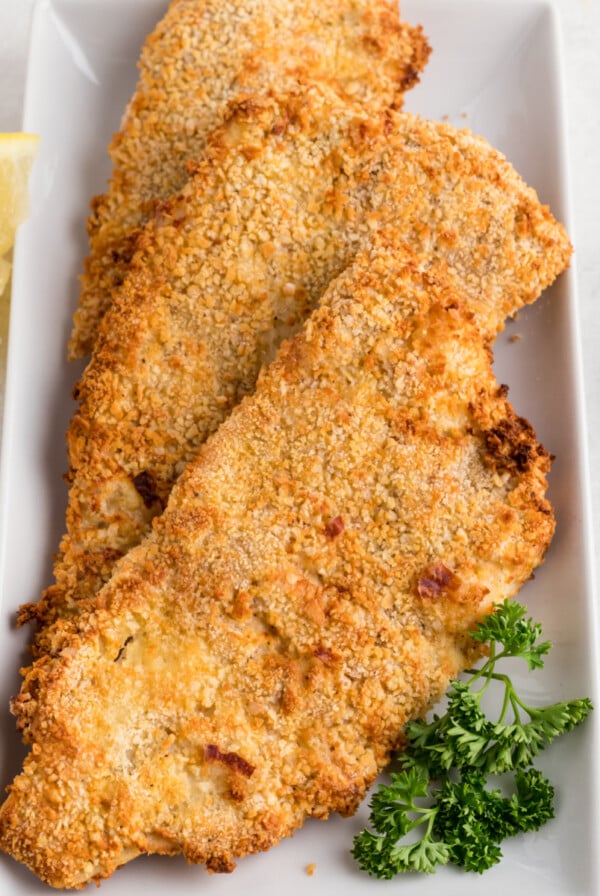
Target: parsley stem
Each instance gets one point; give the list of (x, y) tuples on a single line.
[(429, 815), (510, 696), (506, 702), (449, 760)]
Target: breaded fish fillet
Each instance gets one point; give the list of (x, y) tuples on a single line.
[(287, 193), (306, 592), (203, 54)]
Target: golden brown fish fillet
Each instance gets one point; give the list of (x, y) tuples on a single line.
[(203, 54), (287, 192), (306, 592)]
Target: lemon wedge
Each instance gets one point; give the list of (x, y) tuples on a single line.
[(4, 274), (17, 152)]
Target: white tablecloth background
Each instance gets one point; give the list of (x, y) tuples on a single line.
[(580, 20)]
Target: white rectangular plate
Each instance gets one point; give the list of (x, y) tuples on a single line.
[(496, 69)]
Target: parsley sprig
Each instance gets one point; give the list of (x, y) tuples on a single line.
[(442, 788)]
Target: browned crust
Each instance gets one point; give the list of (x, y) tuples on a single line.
[(241, 624), (288, 190), (200, 57)]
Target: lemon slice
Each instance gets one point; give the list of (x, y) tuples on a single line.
[(4, 274), (17, 152)]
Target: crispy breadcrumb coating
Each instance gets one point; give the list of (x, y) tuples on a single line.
[(306, 592), (288, 191), (201, 56)]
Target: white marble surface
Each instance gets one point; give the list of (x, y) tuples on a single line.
[(580, 21)]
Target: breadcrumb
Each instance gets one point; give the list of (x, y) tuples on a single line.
[(204, 307), (243, 670), (201, 57)]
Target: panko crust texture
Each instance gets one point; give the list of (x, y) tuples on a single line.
[(307, 591), (288, 191), (203, 55)]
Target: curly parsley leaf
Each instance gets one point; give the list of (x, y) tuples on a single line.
[(533, 803), (518, 634), (442, 790), (394, 813)]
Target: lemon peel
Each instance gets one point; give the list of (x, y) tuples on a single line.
[(17, 152)]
